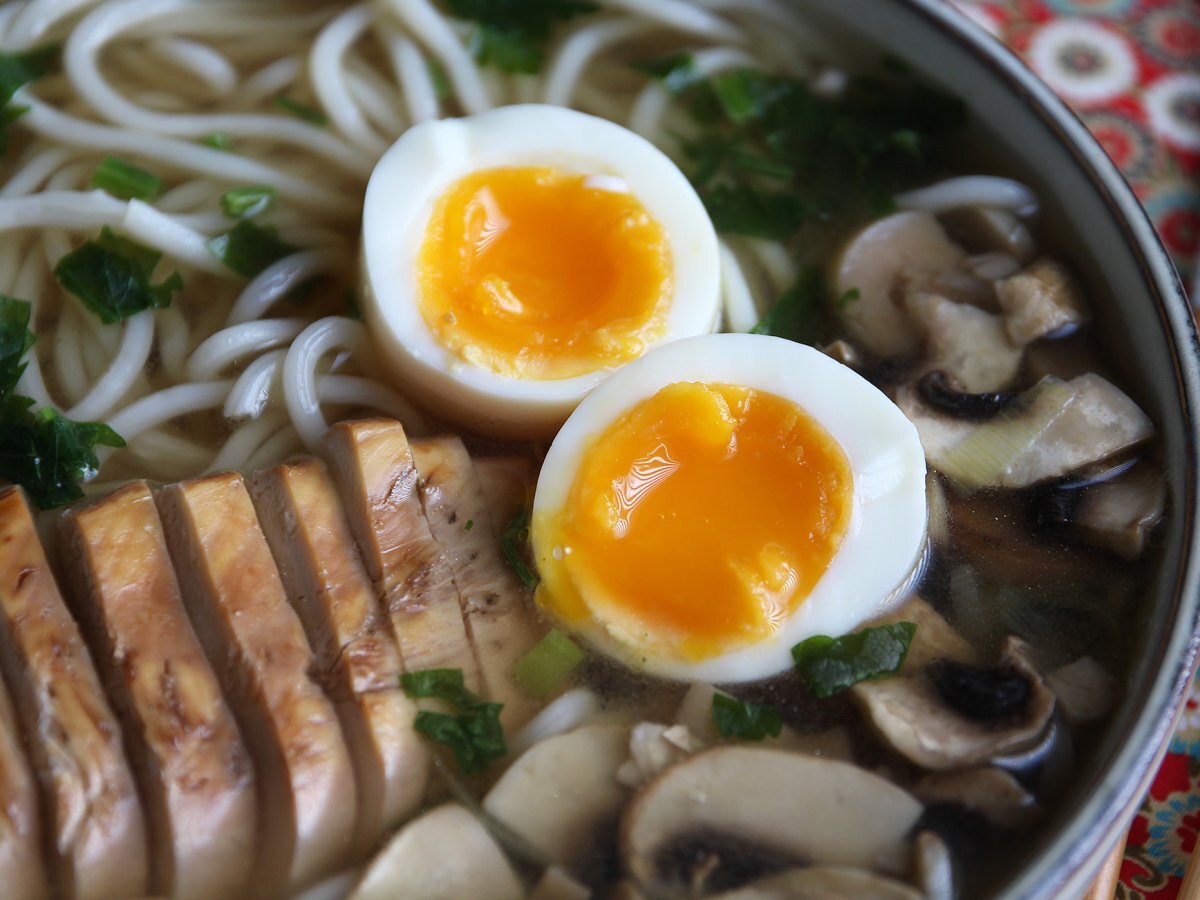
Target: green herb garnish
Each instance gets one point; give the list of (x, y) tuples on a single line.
[(546, 668), (48, 454), (218, 140), (123, 179), (769, 154), (514, 543), (17, 70), (474, 735), (830, 665), (743, 720), (247, 202), (15, 339), (677, 72), (437, 75), (248, 248), (797, 314), (44, 452), (512, 34), (301, 111), (111, 276)]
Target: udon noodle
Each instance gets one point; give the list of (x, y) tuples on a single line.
[(259, 367)]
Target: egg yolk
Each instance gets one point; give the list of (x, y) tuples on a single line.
[(701, 518), (543, 274)]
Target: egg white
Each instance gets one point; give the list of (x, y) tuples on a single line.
[(427, 160), (884, 543)]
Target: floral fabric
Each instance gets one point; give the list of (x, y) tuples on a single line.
[(1131, 71)]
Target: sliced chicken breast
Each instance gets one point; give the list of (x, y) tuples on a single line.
[(373, 467), (507, 483), (498, 609), (96, 840), (356, 655), (192, 767), (22, 871), (256, 644)]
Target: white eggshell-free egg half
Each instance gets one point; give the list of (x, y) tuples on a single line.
[(883, 547), (427, 160)]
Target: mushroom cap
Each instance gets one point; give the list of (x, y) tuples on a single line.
[(796, 807), (562, 794), (823, 883)]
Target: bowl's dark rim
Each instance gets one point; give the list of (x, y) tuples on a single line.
[(1065, 864)]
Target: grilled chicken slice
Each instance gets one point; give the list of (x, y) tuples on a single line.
[(195, 776), (22, 871), (356, 655), (95, 834), (508, 483), (373, 467), (257, 646), (498, 609)]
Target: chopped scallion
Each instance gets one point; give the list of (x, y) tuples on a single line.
[(247, 202), (123, 179), (545, 669), (301, 110)]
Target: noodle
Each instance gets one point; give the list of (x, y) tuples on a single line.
[(159, 81)]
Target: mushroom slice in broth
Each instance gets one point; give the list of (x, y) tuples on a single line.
[(774, 808), (948, 718), (988, 790)]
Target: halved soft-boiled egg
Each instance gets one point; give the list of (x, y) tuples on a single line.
[(513, 259), (723, 498)]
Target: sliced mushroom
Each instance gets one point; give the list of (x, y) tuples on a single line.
[(1041, 300), (1056, 428), (990, 791), (562, 795), (889, 258), (1119, 514), (931, 720), (934, 867), (986, 228), (442, 855), (1084, 688), (844, 352), (833, 743), (823, 883), (939, 510), (965, 342), (784, 807)]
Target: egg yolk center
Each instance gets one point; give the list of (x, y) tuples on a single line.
[(703, 517), (533, 272)]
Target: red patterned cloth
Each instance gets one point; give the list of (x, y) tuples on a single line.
[(1131, 70)]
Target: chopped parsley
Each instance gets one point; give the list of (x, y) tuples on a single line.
[(248, 248), (771, 154), (302, 111), (44, 452), (743, 720), (17, 70), (512, 34), (831, 665), (111, 277), (247, 202), (123, 179), (514, 547), (474, 735)]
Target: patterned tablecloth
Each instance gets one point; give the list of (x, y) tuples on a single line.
[(1131, 70)]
